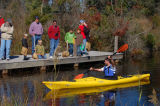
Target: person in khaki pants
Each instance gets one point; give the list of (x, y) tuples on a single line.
[(25, 47)]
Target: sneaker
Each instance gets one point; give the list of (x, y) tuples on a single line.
[(51, 57), (7, 59), (71, 55)]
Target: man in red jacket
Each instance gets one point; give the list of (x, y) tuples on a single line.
[(1, 22), (54, 36)]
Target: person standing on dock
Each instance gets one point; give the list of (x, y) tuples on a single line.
[(6, 39), (109, 69), (24, 46), (1, 22), (36, 30), (54, 36), (69, 40), (79, 41), (81, 27)]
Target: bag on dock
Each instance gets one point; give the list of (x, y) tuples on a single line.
[(35, 55), (88, 46), (24, 51), (65, 53)]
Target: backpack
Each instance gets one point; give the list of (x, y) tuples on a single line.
[(86, 32)]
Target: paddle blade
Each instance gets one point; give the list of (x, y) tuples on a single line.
[(122, 48), (79, 76)]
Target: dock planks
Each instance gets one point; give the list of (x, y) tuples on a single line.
[(17, 62)]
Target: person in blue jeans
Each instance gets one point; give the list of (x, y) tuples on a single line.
[(36, 30), (69, 39), (79, 41), (40, 51), (6, 39), (54, 36)]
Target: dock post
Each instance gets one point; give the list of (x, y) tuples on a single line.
[(76, 66), (43, 69), (5, 71)]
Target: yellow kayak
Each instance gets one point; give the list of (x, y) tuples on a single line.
[(94, 82), (59, 93)]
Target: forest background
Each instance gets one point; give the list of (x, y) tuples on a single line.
[(136, 22)]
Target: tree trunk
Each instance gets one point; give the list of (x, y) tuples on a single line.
[(116, 43)]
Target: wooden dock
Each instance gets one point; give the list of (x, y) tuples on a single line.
[(17, 62)]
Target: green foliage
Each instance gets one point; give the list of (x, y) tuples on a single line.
[(102, 16), (34, 8), (150, 41), (156, 20)]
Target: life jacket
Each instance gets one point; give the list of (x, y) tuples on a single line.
[(109, 71)]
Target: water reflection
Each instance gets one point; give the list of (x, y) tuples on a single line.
[(27, 89)]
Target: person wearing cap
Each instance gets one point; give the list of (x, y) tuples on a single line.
[(36, 31), (1, 22), (109, 69), (40, 51), (81, 27), (25, 47), (6, 39), (54, 36)]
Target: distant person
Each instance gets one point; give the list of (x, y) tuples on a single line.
[(1, 22), (25, 47), (54, 36), (79, 41), (40, 51), (81, 27), (109, 69), (36, 30), (86, 31), (6, 39), (69, 37)]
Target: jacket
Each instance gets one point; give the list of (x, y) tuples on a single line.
[(24, 43), (36, 28), (109, 71), (7, 32), (54, 32), (1, 22), (79, 39), (81, 27), (69, 37), (40, 50)]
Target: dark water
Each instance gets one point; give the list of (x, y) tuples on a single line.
[(26, 88)]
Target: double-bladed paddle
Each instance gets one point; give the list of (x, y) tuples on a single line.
[(121, 49)]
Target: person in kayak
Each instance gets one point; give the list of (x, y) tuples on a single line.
[(109, 69)]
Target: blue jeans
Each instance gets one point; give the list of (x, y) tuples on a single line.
[(53, 46), (35, 41), (78, 50), (5, 44), (42, 57), (70, 49), (84, 44)]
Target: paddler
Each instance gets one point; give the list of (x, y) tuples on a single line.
[(109, 69)]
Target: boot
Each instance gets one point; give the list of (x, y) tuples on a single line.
[(25, 58)]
